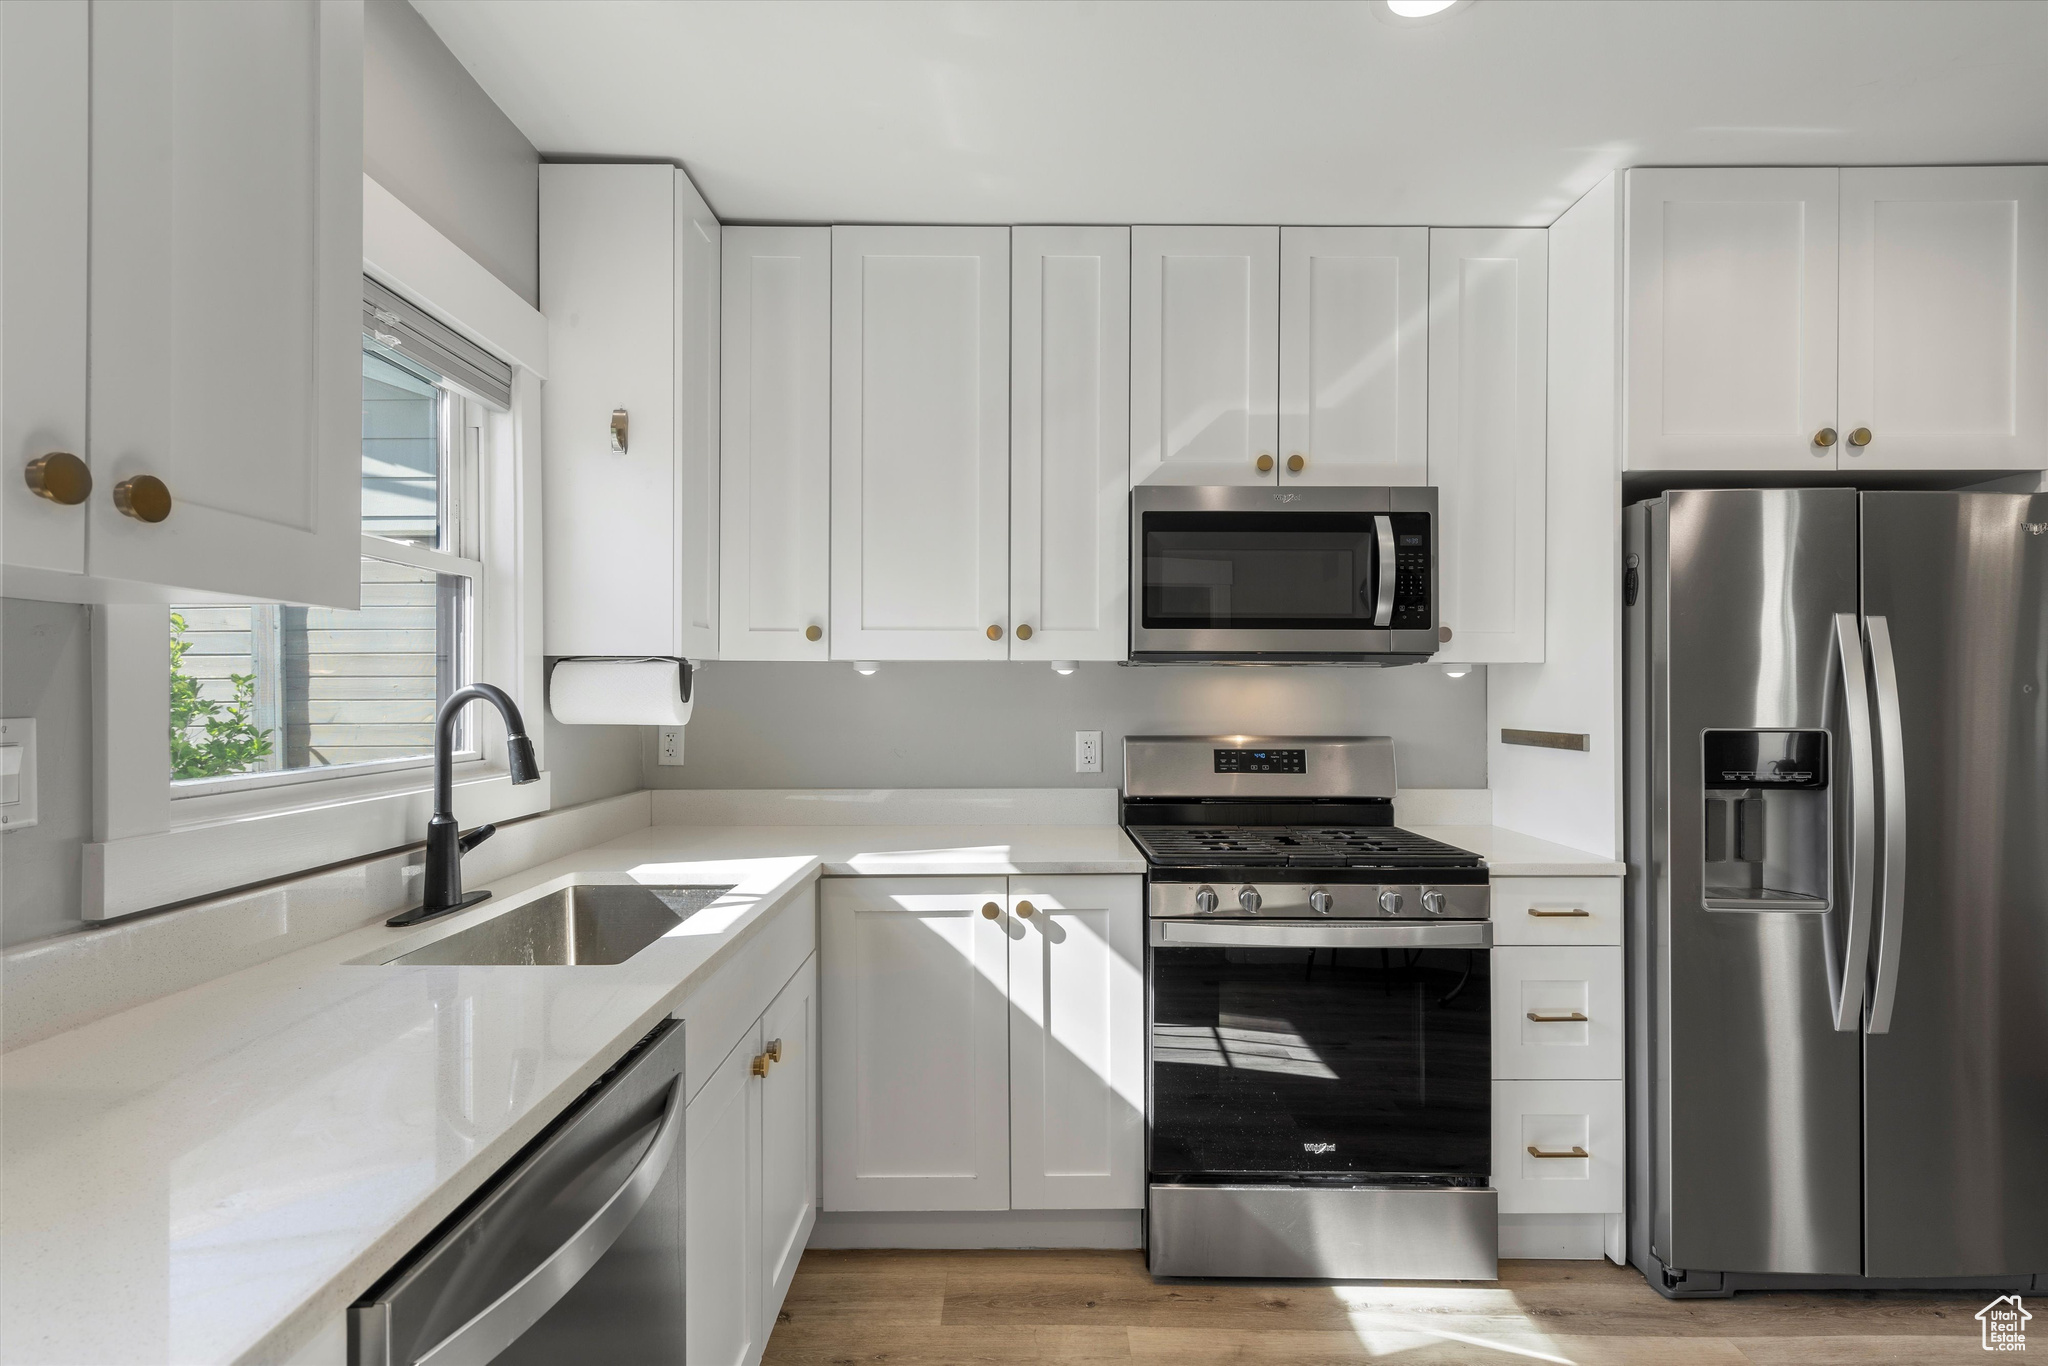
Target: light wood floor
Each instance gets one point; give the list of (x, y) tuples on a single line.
[(943, 1308)]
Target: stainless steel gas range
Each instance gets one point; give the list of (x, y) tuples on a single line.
[(1319, 1050)]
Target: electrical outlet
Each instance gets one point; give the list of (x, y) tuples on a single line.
[(668, 746), (1087, 751), (17, 773)]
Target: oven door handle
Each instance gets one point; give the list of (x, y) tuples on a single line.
[(1383, 609), (1321, 934)]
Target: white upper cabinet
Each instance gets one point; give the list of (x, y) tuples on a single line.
[(226, 249), (1731, 319), (1070, 348), (1077, 1043), (1205, 340), (1944, 331), (43, 115), (629, 283), (1354, 368), (920, 443), (775, 584), (1487, 385)]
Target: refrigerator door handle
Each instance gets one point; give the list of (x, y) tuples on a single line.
[(1891, 738), (1862, 823)]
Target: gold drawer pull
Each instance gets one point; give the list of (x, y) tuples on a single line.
[(761, 1061), (1568, 1017), (1571, 912), (1576, 1151)]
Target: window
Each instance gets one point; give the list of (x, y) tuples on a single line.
[(263, 694)]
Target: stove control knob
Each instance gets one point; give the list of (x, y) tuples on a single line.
[(1319, 901), (1391, 903), (1433, 902), (1249, 898), (1205, 900)]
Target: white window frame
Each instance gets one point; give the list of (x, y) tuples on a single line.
[(151, 849)]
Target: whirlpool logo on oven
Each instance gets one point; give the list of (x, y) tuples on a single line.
[(1319, 1148), (2036, 528)]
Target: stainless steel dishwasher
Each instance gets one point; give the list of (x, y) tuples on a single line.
[(574, 1252)]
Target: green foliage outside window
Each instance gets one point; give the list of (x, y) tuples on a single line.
[(233, 743)]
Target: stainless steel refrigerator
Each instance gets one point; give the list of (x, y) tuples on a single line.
[(1837, 751)]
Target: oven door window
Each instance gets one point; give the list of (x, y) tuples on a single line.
[(1297, 571), (1345, 1063)]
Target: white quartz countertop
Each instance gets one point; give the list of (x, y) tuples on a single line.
[(211, 1177), (1509, 853), (904, 850)]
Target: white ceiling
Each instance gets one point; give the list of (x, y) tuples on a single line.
[(1284, 111)]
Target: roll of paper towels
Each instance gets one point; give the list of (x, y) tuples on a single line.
[(621, 692)]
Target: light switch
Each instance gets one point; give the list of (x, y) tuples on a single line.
[(17, 773)]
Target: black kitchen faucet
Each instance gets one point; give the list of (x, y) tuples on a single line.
[(445, 845)]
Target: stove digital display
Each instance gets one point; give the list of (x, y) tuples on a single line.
[(1262, 761)]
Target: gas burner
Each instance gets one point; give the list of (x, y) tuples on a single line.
[(1306, 846)]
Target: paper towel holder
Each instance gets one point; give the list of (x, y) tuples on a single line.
[(597, 670), (684, 669)]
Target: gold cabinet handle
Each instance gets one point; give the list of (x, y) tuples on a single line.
[(990, 910), (1569, 913), (1296, 463), (1264, 464), (1824, 438), (1023, 633), (61, 477), (1576, 1151), (774, 1051), (1025, 910), (143, 497), (1860, 437), (995, 633), (761, 1061), (814, 632), (1565, 1017)]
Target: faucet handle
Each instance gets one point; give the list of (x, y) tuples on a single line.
[(475, 837)]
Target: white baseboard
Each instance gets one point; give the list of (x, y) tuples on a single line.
[(1567, 1237), (1020, 1228)]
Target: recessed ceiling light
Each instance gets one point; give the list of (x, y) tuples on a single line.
[(1407, 12)]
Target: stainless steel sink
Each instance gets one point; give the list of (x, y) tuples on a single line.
[(586, 923)]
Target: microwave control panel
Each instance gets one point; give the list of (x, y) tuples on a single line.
[(1411, 572)]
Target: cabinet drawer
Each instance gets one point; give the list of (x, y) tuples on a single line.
[(1557, 910), (1558, 1117), (719, 1011), (1557, 1012)]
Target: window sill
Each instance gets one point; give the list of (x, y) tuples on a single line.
[(224, 849)]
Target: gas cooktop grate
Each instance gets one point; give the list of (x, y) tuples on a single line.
[(1297, 845)]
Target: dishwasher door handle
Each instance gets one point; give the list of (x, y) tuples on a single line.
[(518, 1309)]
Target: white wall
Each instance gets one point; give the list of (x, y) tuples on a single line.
[(1572, 797), (1012, 725)]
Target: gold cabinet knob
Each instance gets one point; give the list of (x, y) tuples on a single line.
[(760, 1067), (1296, 464), (1025, 910), (995, 633), (1264, 464), (1023, 633), (814, 632), (1860, 437), (774, 1050), (60, 477), (143, 497), (1824, 438), (989, 910)]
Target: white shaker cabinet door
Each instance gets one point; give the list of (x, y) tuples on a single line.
[(1944, 336), (1487, 438), (608, 287), (1070, 468), (1731, 319), (916, 1065), (1077, 1043), (920, 443), (43, 85), (1205, 355), (1354, 363), (775, 581), (722, 1213), (227, 259), (789, 1135), (696, 386)]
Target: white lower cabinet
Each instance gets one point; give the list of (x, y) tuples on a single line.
[(1557, 1012), (988, 1043), (1559, 1146), (721, 1220), (789, 1136)]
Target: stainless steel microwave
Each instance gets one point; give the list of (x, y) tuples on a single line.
[(1283, 576)]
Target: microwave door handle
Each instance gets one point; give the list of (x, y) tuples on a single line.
[(1862, 822), (1383, 609), (1891, 741)]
